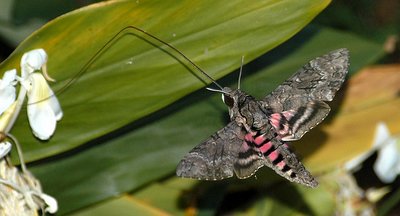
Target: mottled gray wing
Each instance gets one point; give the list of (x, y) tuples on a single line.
[(300, 98), (213, 159), (288, 165)]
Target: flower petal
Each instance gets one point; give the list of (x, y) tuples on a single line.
[(41, 91), (52, 205), (9, 76), (381, 136), (7, 90), (382, 133), (388, 160), (7, 97), (5, 148), (32, 60), (43, 107), (42, 121), (55, 105), (7, 117)]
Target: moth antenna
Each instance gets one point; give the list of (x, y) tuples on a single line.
[(83, 69), (240, 72), (93, 58), (178, 51), (216, 90)]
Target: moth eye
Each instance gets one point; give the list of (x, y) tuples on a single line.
[(227, 100)]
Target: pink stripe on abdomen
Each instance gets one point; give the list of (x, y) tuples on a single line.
[(281, 164), (266, 147), (274, 155)]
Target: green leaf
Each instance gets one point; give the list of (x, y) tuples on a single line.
[(390, 203), (291, 199), (176, 196), (125, 205), (151, 148), (182, 197), (135, 75)]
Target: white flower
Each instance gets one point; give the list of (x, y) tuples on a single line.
[(33, 61), (43, 107), (52, 205), (20, 192), (387, 164), (5, 148), (7, 89)]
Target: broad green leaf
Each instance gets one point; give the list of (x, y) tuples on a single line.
[(290, 200), (390, 204), (151, 148), (135, 76), (24, 12), (125, 205), (173, 196), (176, 196)]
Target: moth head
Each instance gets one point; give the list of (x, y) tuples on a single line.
[(228, 97)]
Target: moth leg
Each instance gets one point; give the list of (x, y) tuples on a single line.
[(242, 122), (291, 137)]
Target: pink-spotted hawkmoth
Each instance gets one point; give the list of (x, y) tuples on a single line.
[(259, 129)]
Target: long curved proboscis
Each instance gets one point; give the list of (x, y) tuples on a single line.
[(107, 44)]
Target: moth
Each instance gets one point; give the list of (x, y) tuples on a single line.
[(259, 129)]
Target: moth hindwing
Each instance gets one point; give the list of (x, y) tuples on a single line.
[(258, 130)]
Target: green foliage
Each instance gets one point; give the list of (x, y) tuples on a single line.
[(132, 115), (151, 148), (136, 76)]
